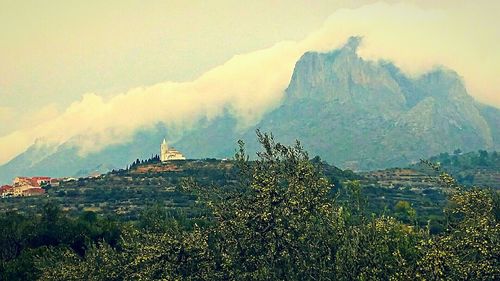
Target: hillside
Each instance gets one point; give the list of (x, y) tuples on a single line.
[(479, 168), (127, 193)]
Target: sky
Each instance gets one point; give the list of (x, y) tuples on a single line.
[(101, 70)]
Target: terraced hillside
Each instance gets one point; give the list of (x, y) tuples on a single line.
[(478, 168), (127, 193)]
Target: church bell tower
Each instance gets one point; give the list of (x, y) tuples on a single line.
[(164, 151)]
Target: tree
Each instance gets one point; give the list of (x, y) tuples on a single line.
[(278, 222), (469, 249), (404, 211)]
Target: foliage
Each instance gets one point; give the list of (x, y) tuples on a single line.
[(280, 219), (281, 224), (24, 238), (470, 250)]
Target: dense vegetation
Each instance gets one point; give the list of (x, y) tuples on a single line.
[(481, 168), (280, 218)]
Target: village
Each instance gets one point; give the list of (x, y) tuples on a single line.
[(28, 186)]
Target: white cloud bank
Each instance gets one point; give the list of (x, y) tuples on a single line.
[(251, 84)]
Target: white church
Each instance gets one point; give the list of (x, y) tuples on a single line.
[(167, 154)]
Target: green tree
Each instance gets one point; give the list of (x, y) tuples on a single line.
[(405, 212), (469, 249), (278, 223)]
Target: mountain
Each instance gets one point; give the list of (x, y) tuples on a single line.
[(366, 115), (354, 113)]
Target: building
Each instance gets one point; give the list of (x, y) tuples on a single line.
[(6, 190), (54, 182), (20, 190), (25, 186), (33, 182), (40, 181), (167, 154), (35, 191), (22, 181), (25, 190)]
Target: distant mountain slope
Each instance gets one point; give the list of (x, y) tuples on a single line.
[(214, 139), (64, 160), (354, 113), (492, 116)]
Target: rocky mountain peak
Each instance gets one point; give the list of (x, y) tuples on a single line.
[(341, 76), (442, 82), (352, 44)]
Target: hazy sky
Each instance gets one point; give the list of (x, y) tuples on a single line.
[(65, 66)]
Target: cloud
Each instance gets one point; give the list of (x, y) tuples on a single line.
[(5, 113), (462, 37), (246, 85), (16, 132), (13, 120), (251, 84)]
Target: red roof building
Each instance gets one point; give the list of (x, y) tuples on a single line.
[(41, 178), (38, 181), (4, 188), (33, 191)]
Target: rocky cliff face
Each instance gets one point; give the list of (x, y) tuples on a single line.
[(367, 115), (353, 113)]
